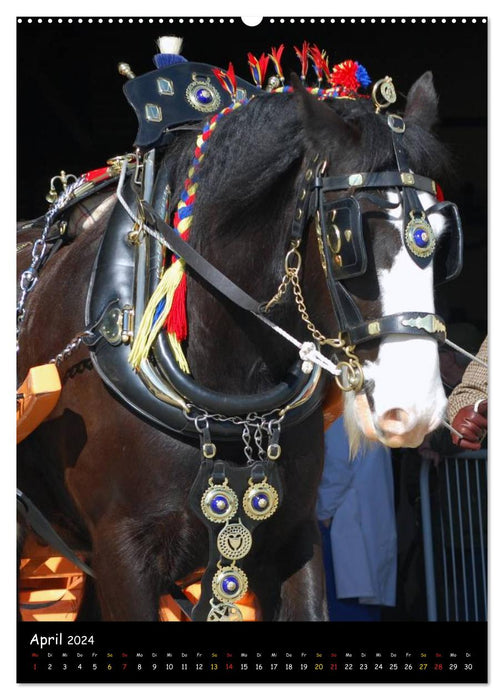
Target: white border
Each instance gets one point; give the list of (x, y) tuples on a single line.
[(260, 8)]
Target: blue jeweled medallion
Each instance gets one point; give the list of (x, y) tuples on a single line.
[(419, 236), (260, 500), (219, 503), (229, 583), (202, 95)]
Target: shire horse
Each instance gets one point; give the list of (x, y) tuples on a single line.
[(116, 485)]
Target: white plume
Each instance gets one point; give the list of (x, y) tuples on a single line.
[(170, 44)]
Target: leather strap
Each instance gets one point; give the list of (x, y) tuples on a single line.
[(410, 323), (389, 178), (29, 511)]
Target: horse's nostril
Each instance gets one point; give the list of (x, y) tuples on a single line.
[(394, 420), (396, 414)]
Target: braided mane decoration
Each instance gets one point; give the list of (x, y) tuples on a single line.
[(167, 306)]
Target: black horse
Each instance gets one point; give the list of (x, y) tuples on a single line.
[(117, 486)]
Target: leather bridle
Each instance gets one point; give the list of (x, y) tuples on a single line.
[(342, 247)]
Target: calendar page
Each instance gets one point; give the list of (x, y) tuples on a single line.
[(226, 228)]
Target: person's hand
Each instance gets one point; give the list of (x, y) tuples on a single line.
[(472, 423)]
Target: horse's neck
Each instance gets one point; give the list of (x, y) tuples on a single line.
[(228, 349)]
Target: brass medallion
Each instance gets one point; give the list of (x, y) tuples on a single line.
[(224, 612), (202, 95), (219, 503), (260, 501), (419, 236), (383, 93), (234, 541), (229, 584)]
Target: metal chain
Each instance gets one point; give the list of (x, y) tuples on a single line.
[(72, 347), (258, 439), (300, 302), (246, 437), (261, 425), (29, 277), (273, 415), (292, 277)]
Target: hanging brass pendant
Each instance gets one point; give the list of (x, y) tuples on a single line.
[(419, 236), (224, 612), (229, 584), (219, 503), (260, 501), (234, 541)]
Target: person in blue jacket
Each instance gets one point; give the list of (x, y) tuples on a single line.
[(356, 515)]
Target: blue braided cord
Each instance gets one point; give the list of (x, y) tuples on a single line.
[(185, 211)]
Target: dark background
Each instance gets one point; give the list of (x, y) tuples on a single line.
[(72, 114)]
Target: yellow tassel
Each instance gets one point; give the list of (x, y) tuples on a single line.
[(147, 332), (178, 353)]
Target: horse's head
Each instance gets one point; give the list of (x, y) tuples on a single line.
[(380, 241)]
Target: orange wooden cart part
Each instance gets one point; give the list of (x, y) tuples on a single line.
[(51, 589), (37, 396)]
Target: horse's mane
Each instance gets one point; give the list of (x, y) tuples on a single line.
[(266, 139)]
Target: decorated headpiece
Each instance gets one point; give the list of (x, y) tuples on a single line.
[(181, 91)]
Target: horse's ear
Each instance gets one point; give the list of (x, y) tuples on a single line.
[(422, 102), (324, 128)]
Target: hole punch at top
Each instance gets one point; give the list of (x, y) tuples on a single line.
[(251, 21)]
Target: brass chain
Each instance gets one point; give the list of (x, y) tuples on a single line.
[(300, 302), (291, 277), (354, 377), (282, 288)]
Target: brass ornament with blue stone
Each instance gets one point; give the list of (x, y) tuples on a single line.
[(224, 612), (219, 503), (202, 95), (419, 236), (234, 541), (260, 500), (229, 584)]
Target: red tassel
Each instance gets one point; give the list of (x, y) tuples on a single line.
[(176, 321), (439, 193), (303, 57)]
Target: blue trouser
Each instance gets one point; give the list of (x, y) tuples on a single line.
[(343, 609)]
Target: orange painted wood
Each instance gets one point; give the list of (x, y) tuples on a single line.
[(39, 394), (47, 577)]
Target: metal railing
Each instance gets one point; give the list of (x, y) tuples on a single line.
[(454, 524)]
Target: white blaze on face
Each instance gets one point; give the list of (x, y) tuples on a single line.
[(408, 395)]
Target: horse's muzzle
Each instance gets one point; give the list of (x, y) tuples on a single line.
[(396, 427)]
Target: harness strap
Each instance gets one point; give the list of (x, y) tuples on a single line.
[(181, 599), (411, 323), (393, 178), (29, 511), (155, 225)]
